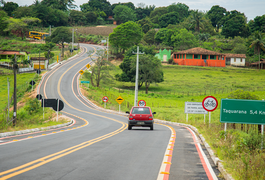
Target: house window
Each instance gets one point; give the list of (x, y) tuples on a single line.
[(235, 60), (175, 56), (212, 56), (204, 56), (196, 56), (241, 60), (189, 56), (178, 56)]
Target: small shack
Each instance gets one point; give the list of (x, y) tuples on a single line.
[(236, 59), (163, 55), (40, 62)]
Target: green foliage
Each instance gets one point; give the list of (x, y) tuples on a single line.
[(184, 39), (123, 14), (216, 15), (126, 35), (9, 7), (149, 37), (240, 94), (3, 22), (235, 25), (32, 106)]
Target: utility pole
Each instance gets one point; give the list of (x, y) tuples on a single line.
[(72, 41), (136, 77), (39, 62), (8, 89), (107, 48), (15, 92)]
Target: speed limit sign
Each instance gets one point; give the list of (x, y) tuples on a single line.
[(141, 103)]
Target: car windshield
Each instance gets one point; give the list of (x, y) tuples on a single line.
[(140, 111)]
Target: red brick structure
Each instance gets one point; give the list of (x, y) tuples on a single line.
[(199, 57)]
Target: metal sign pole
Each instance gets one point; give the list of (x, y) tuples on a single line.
[(187, 117), (104, 104), (119, 108), (43, 107), (262, 135), (209, 118), (57, 109), (8, 87)]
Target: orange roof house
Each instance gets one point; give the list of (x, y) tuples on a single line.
[(199, 57)]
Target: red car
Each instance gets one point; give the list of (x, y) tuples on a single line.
[(141, 116)]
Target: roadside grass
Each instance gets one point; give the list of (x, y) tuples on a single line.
[(22, 86), (240, 156)]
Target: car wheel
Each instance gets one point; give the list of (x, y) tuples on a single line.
[(129, 127), (152, 127)]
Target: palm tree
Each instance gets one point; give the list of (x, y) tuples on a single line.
[(197, 19), (258, 42)]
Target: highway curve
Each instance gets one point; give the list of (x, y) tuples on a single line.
[(98, 145)]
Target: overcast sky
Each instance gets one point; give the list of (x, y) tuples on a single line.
[(251, 8)]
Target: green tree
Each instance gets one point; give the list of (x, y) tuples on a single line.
[(145, 24), (59, 36), (85, 8), (150, 70), (9, 7), (216, 14), (123, 14), (3, 22), (77, 18), (101, 5), (149, 37), (258, 24), (91, 17), (197, 20), (164, 36), (23, 11), (128, 73), (20, 25), (258, 42), (180, 8), (157, 13), (235, 25), (184, 39), (100, 69), (63, 5), (143, 12), (126, 35), (169, 18)]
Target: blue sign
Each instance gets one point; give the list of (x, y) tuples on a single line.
[(85, 82)]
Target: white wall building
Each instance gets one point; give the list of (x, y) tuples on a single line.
[(236, 59)]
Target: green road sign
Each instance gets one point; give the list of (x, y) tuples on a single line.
[(242, 111), (85, 82)]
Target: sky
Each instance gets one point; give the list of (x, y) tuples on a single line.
[(251, 8)]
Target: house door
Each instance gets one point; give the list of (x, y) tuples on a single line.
[(165, 57)]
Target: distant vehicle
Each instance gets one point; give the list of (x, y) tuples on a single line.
[(38, 35), (141, 116)]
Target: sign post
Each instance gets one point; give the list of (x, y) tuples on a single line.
[(209, 103), (119, 100), (105, 99), (82, 82)]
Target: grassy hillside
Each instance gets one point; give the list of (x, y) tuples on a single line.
[(240, 150)]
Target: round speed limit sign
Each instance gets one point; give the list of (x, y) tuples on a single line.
[(141, 103)]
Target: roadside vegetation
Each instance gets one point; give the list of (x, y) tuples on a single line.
[(239, 148)]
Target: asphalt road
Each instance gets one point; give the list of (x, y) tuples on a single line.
[(98, 145)]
